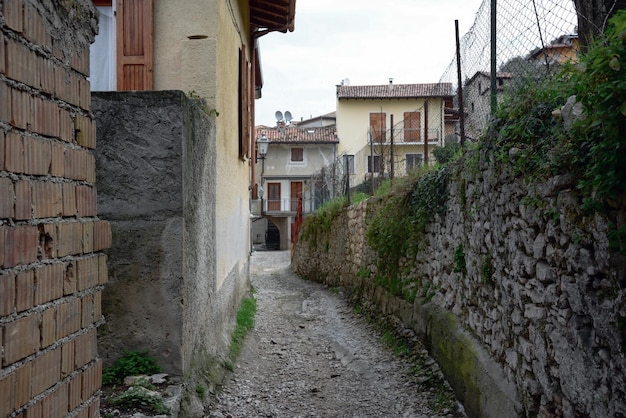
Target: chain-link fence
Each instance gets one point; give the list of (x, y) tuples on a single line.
[(532, 37)]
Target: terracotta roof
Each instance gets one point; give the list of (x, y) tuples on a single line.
[(395, 91), (295, 135)]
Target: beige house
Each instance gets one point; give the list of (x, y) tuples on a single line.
[(208, 50), (286, 178), (391, 129)]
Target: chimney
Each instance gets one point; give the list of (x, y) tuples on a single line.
[(390, 81)]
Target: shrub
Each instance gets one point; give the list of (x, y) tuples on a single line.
[(130, 364)]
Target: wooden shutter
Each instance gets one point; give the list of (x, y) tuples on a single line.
[(412, 126), (134, 45), (244, 104), (378, 126)]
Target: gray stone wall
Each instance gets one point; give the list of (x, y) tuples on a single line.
[(535, 327), (156, 177)]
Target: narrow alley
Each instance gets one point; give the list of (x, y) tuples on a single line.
[(311, 355)]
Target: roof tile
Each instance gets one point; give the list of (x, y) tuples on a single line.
[(395, 91)]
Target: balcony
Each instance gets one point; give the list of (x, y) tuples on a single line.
[(406, 136), (275, 207)]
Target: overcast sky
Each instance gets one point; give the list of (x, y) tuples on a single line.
[(365, 41)]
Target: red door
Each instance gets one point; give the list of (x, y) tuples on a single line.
[(273, 197), (296, 194)]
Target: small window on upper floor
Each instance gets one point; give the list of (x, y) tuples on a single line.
[(297, 154)]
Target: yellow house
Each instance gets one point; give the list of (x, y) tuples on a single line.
[(389, 130)]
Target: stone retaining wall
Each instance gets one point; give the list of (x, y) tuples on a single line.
[(535, 327)]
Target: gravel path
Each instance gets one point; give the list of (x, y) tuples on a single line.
[(310, 355)]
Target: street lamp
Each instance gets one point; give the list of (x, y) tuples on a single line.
[(262, 144)]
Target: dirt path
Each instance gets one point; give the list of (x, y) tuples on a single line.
[(310, 355)]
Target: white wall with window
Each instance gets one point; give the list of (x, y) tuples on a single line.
[(102, 54), (413, 161)]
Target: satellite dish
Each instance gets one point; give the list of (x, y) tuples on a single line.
[(345, 82), (279, 115), (288, 116)]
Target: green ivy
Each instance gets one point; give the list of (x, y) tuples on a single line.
[(459, 260)]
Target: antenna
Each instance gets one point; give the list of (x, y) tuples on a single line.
[(279, 116), (288, 116)]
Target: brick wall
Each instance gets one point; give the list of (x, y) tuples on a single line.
[(52, 270)]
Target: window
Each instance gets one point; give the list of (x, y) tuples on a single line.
[(378, 126), (413, 161), (377, 164), (412, 126), (244, 102), (350, 162), (122, 54), (297, 154)]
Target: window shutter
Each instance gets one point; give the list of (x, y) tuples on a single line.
[(412, 126), (378, 126), (244, 105), (134, 45)]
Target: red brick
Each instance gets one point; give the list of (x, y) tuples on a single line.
[(55, 403), (87, 237), (45, 117), (101, 235), (67, 367), (61, 83), (46, 75), (70, 235), (85, 93), (87, 313), (74, 392), (20, 65), (83, 413), (23, 200), (5, 103), (7, 394), (80, 61), (35, 411), (57, 165), (85, 129), (14, 153), (21, 339), (21, 104), (7, 293), (92, 380), (22, 385), (48, 326), (69, 282), (94, 408), (68, 318), (20, 245), (91, 167), (37, 156), (49, 283), (47, 199), (69, 199), (66, 126), (48, 240), (103, 274), (24, 290), (46, 371), (2, 49), (76, 164), (86, 201), (7, 202), (97, 306), (2, 139), (34, 30), (85, 350), (14, 15), (3, 243), (86, 273)]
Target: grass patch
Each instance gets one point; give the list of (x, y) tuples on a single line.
[(141, 398), (245, 322)]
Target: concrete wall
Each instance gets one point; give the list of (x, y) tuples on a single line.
[(535, 327), (52, 270), (157, 177)]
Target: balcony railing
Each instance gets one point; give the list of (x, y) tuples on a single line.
[(405, 136)]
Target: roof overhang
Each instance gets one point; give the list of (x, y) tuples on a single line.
[(272, 16)]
